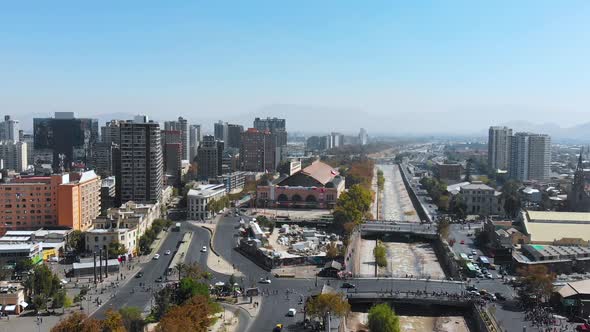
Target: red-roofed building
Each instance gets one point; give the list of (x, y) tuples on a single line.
[(316, 186)]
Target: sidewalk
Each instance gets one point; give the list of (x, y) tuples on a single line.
[(215, 262)]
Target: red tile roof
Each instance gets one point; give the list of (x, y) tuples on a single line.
[(320, 171)]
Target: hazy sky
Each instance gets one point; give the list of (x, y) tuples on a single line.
[(521, 60)]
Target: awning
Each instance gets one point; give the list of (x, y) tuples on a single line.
[(10, 308), (23, 304)]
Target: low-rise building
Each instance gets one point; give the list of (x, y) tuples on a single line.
[(101, 239), (53, 240), (234, 182), (532, 195), (199, 198), (549, 227), (316, 186), (448, 172), (10, 253), (12, 298), (482, 199), (132, 218)]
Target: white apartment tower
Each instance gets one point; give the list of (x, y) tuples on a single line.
[(499, 147), (14, 155), (530, 157)]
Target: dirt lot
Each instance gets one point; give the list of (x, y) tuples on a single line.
[(357, 320), (417, 259)]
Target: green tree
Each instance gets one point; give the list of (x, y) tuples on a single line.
[(113, 322), (380, 253), (132, 319), (189, 288), (23, 265), (511, 198), (458, 206), (383, 319), (116, 249), (352, 206), (76, 241), (59, 299)]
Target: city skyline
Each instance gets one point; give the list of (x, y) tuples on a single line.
[(440, 62)]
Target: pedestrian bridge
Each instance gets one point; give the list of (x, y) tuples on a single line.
[(375, 227)]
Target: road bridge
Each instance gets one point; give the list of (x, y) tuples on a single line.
[(376, 227)]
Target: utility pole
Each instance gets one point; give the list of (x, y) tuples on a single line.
[(100, 261), (106, 264), (94, 256)]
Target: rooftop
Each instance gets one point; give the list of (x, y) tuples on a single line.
[(206, 190), (561, 217), (320, 171), (574, 288), (476, 185)]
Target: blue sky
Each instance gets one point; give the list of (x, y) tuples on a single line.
[(519, 59)]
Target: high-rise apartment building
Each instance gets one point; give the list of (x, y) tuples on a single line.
[(111, 132), (14, 155), (258, 151), (210, 158), (363, 137), (102, 158), (66, 135), (530, 157), (78, 200), (141, 173), (28, 138), (9, 129), (234, 136), (220, 131), (182, 126), (276, 126), (195, 138), (499, 147)]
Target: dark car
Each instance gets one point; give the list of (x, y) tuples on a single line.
[(347, 285), (471, 288), (139, 274), (160, 279), (500, 297)]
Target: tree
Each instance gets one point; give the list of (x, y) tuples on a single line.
[(23, 265), (511, 198), (76, 241), (333, 303), (352, 206), (132, 319), (458, 206), (78, 322), (383, 319), (41, 285), (443, 228), (116, 249), (536, 283), (332, 250), (59, 299), (188, 288), (194, 315), (380, 253), (113, 322), (163, 302)]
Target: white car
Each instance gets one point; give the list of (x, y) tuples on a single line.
[(474, 252), (157, 256), (204, 249), (291, 312), (167, 252), (265, 281), (489, 276)]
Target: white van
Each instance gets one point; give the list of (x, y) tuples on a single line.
[(291, 312)]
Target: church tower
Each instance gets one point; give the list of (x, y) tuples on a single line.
[(579, 199)]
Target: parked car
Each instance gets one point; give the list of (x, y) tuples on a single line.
[(473, 252), (139, 274), (471, 288), (160, 279), (500, 297), (157, 256), (291, 312), (347, 285), (265, 281), (489, 276), (462, 241)]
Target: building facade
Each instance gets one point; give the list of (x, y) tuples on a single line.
[(530, 157), (499, 147), (66, 135), (276, 126), (234, 136), (579, 198), (220, 131), (482, 199), (195, 138), (210, 158), (316, 186), (141, 172), (14, 155), (9, 129), (182, 126), (78, 201), (258, 151), (111, 132), (199, 198)]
